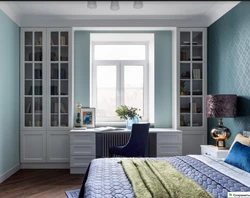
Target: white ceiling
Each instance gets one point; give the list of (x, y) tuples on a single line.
[(203, 11)]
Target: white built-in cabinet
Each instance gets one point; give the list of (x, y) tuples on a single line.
[(46, 94), (192, 87)]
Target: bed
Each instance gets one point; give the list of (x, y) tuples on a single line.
[(106, 176)]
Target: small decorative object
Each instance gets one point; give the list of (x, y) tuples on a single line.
[(88, 117), (182, 120), (78, 117), (221, 106), (182, 87), (129, 114)]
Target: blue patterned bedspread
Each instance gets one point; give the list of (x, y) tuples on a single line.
[(107, 179)]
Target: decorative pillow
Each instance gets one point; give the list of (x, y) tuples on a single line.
[(240, 138), (239, 156)]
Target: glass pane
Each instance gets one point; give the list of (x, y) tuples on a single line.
[(184, 120), (197, 120), (54, 71), (185, 71), (38, 105), (38, 54), (64, 105), (197, 38), (64, 71), (54, 38), (54, 112), (64, 121), (133, 87), (28, 105), (28, 53), (197, 105), (185, 87), (120, 52), (64, 53), (38, 71), (64, 87), (197, 71), (54, 105), (38, 120), (28, 121), (106, 91), (54, 53), (54, 87), (185, 105), (185, 38), (185, 53), (197, 87), (28, 38), (64, 38), (38, 87), (54, 120), (38, 38), (28, 87), (197, 53), (28, 71)]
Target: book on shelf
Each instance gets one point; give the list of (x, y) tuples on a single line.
[(28, 109), (63, 109), (196, 74)]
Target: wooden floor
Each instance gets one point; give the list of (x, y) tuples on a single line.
[(40, 184)]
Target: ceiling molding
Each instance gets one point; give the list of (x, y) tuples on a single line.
[(213, 14), (218, 10), (11, 11)]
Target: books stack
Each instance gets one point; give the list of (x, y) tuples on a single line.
[(196, 73)]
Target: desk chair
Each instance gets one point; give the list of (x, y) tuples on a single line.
[(136, 145)]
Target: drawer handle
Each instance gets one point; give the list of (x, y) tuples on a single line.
[(207, 153)]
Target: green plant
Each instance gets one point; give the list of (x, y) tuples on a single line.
[(125, 112)]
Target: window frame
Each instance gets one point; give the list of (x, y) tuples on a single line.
[(120, 64)]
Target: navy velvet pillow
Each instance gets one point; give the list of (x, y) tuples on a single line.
[(239, 156)]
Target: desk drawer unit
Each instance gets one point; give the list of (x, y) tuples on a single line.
[(169, 144), (82, 151)]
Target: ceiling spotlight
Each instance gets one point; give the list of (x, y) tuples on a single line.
[(138, 4), (92, 4), (114, 5)]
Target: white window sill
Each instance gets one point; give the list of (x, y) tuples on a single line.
[(116, 124)]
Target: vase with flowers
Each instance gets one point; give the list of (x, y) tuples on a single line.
[(130, 114)]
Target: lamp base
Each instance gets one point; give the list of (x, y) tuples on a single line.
[(220, 143), (220, 134)]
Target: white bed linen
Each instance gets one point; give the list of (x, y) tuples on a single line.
[(227, 169)]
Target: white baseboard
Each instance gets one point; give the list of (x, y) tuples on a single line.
[(45, 166), (8, 173)]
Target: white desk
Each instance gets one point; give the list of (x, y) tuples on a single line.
[(83, 144)]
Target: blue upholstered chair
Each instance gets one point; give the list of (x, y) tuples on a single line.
[(136, 145)]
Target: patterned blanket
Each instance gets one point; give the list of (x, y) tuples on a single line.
[(106, 178)]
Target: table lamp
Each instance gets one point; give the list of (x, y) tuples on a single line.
[(221, 106)]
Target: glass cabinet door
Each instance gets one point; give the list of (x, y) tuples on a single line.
[(59, 79), (191, 79), (33, 79)]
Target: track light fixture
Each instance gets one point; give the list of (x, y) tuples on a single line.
[(92, 4), (138, 4), (114, 5)]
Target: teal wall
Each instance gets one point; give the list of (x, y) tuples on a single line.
[(9, 93), (163, 74), (229, 64)]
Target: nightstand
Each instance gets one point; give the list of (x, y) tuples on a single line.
[(213, 151)]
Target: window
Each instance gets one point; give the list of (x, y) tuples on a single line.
[(120, 77)]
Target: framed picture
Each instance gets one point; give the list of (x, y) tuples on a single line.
[(88, 117)]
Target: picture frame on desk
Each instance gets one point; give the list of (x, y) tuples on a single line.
[(88, 117)]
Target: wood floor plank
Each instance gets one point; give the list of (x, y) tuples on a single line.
[(38, 183)]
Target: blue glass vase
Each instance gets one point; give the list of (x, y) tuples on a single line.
[(130, 122)]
